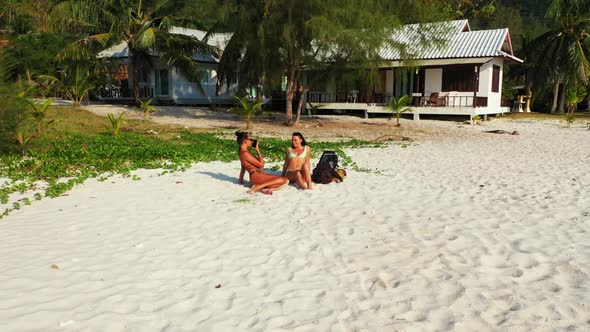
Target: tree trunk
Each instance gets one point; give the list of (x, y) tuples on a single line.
[(289, 106), (562, 98), (292, 84), (134, 73), (555, 95), (302, 92), (258, 90)]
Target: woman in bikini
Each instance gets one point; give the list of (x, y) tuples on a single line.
[(297, 162), (260, 181)]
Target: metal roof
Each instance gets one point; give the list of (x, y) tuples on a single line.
[(447, 40), (218, 40), (426, 41)]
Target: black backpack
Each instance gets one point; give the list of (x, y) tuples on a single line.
[(326, 168)]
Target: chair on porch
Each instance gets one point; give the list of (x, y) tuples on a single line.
[(435, 100), (352, 95)]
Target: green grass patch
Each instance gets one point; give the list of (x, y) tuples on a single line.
[(81, 148), (581, 116)]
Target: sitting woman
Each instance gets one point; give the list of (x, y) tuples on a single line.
[(297, 162), (260, 180)]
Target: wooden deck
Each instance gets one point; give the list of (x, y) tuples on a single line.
[(367, 109)]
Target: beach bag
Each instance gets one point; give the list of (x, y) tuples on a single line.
[(325, 170)]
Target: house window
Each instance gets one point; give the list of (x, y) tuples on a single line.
[(144, 76), (496, 79), (458, 78), (204, 77)]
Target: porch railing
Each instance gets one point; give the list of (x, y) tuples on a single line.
[(344, 97), (384, 99), (117, 92), (451, 101)]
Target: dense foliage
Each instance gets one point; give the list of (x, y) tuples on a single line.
[(273, 38)]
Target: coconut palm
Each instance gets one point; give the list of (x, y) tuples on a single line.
[(143, 25), (562, 53), (398, 106)]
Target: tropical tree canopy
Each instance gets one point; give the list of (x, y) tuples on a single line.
[(143, 25), (273, 39), (560, 56)]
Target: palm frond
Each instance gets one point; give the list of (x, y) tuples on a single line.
[(146, 37)]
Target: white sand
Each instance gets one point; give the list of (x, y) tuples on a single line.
[(485, 233)]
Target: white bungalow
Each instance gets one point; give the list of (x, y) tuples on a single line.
[(167, 85), (448, 69)]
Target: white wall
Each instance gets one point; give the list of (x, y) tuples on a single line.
[(485, 82), (182, 88)]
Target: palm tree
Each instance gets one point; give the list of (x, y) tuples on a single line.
[(562, 53), (143, 25), (399, 106)]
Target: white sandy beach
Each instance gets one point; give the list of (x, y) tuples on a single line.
[(484, 232)]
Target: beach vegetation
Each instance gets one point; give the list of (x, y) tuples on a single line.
[(475, 119), (313, 109), (21, 119), (31, 54), (75, 83), (145, 107), (569, 117), (247, 110), (398, 106), (80, 149), (39, 114), (116, 123)]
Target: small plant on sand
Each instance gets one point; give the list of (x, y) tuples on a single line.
[(475, 119), (145, 107), (398, 106), (574, 94), (313, 109), (39, 113), (116, 123), (247, 110), (23, 138), (74, 84), (569, 118), (20, 118)]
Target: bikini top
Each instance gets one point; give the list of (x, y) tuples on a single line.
[(303, 155)]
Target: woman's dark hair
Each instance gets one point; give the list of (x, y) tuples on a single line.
[(298, 134), (241, 136)]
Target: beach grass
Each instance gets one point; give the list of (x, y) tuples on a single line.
[(80, 146), (580, 116)]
